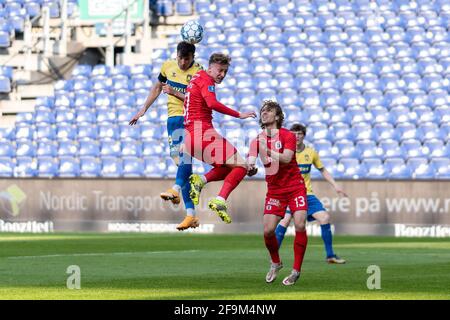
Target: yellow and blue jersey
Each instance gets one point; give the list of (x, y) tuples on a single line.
[(178, 79), (305, 160)]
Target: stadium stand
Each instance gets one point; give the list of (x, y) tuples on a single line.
[(369, 81)]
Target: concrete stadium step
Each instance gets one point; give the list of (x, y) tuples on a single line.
[(7, 121), (16, 106), (34, 90)]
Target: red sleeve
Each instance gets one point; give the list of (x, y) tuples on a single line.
[(253, 151), (290, 142), (209, 94)]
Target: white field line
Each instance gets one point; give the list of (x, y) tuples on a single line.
[(100, 254)]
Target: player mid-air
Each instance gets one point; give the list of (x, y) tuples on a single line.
[(203, 142), (173, 79), (306, 158), (285, 187)]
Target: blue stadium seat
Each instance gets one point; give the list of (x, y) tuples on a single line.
[(106, 115), (357, 114), (442, 114), (350, 168), (396, 168), (385, 131), (420, 168), (89, 148), (412, 148), (309, 98), (153, 148), (336, 115), (47, 148), (7, 133), (366, 149), (103, 99), (400, 114), (368, 82), (87, 131), (64, 116), (110, 148), (24, 132), (131, 148), (128, 132), (154, 168), (62, 101), (340, 131), (24, 148), (330, 97), (306, 81), (140, 82), (81, 83), (112, 167), (45, 131), (318, 131), (288, 97), (363, 131), (47, 167), (5, 83), (90, 167), (69, 167), (121, 82), (100, 83), (25, 118), (390, 149), (66, 131), (25, 167), (407, 131), (316, 121), (345, 149), (436, 148), (67, 148), (374, 168), (5, 42), (7, 166), (380, 114), (291, 35), (85, 116), (133, 167), (44, 117), (428, 130), (101, 70), (324, 148), (6, 148), (141, 69), (441, 167)]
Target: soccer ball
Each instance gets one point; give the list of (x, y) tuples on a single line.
[(192, 32)]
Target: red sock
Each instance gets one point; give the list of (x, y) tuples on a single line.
[(232, 180), (300, 242), (217, 173), (272, 246)]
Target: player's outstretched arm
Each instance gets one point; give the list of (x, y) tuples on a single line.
[(153, 95), (245, 115), (327, 176)]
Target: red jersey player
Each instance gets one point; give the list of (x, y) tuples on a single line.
[(204, 142), (276, 147)]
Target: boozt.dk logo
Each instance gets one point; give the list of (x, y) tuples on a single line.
[(11, 200)]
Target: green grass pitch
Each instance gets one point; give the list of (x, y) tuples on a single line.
[(192, 266)]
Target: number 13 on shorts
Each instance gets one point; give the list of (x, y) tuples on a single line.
[(298, 204)]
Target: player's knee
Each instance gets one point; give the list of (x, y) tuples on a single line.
[(300, 227), (269, 232), (323, 218)]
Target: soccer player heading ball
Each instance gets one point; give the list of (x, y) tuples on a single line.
[(204, 142), (285, 187), (173, 79)]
